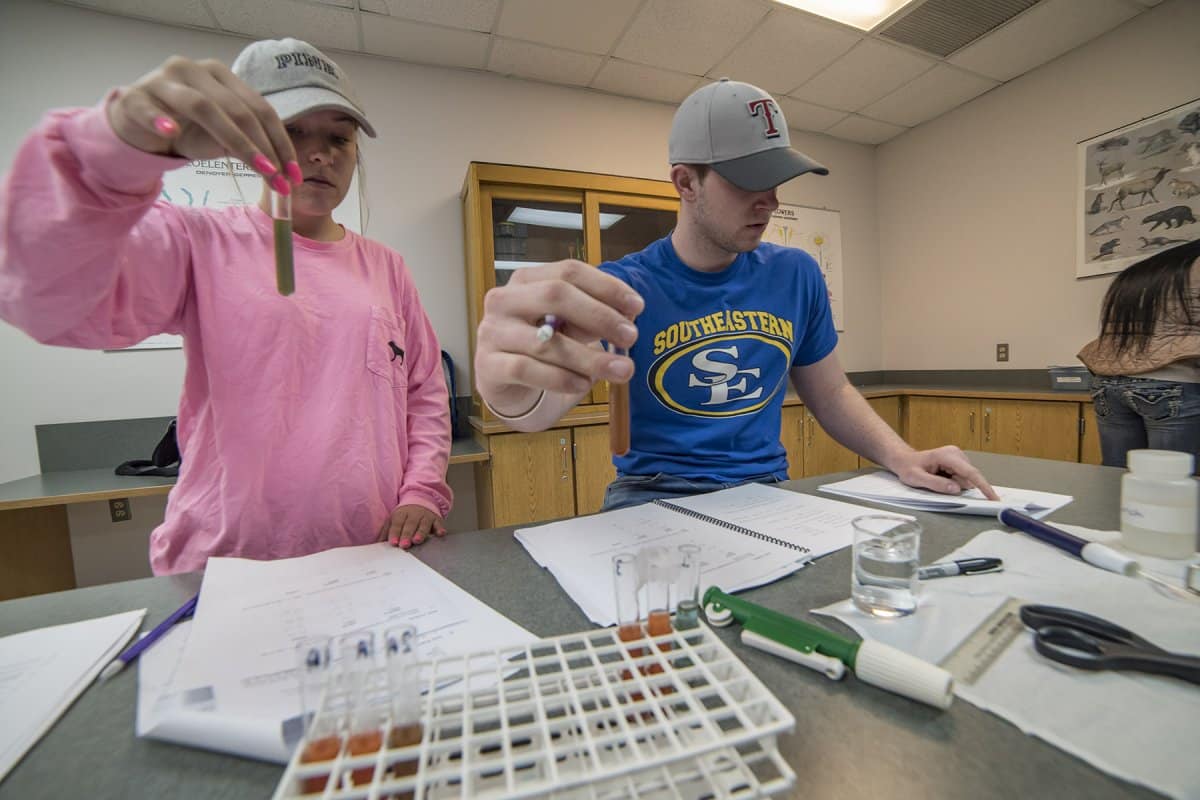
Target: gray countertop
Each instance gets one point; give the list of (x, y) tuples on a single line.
[(851, 740)]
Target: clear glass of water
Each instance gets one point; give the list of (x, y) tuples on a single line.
[(887, 550)]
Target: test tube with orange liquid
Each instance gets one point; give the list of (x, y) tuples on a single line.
[(322, 735), (404, 692), (625, 592), (365, 713), (618, 413)]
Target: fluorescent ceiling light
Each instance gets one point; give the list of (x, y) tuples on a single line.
[(861, 14), (571, 220)]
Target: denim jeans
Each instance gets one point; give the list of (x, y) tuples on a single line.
[(1134, 413), (629, 490)]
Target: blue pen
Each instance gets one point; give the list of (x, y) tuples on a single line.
[(1094, 553), (135, 649)]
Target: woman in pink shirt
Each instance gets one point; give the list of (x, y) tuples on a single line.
[(308, 421)]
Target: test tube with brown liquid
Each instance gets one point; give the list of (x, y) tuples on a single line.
[(322, 735), (658, 573), (281, 213), (404, 691), (365, 713), (625, 592), (618, 413)]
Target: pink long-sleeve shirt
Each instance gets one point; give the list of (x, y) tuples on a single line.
[(304, 420)]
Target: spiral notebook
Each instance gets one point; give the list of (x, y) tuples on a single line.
[(749, 536)]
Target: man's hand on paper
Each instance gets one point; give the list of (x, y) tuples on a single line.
[(945, 469), (411, 525)]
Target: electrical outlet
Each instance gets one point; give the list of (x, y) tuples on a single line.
[(1002, 352), (119, 510)]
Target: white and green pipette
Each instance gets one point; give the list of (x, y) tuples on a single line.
[(826, 652)]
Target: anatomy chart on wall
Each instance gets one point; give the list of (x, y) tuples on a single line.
[(818, 232), (217, 183), (1139, 190)]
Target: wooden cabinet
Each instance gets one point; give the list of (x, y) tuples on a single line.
[(791, 433), (888, 408), (520, 217), (1089, 437), (1035, 428), (529, 477), (532, 477), (822, 453), (594, 469)]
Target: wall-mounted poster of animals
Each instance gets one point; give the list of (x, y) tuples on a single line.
[(1139, 190)]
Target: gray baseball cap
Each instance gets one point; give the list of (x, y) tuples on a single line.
[(296, 78), (740, 131)]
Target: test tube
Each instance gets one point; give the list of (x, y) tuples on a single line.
[(618, 413), (404, 689), (281, 212), (364, 713), (657, 576), (687, 588), (322, 738), (625, 588)]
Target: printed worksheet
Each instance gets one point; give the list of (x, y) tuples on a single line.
[(233, 683)]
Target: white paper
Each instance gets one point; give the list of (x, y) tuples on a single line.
[(1137, 727), (578, 552), (886, 489), (42, 672), (231, 685)]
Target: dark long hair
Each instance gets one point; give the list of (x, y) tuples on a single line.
[(1138, 297)]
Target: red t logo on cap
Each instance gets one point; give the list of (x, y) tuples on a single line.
[(765, 105)]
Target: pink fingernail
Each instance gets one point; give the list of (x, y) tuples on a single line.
[(405, 544), (280, 184), (166, 126), (394, 541), (418, 539), (293, 171), (264, 165)]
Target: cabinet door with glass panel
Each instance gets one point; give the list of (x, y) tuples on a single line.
[(520, 217)]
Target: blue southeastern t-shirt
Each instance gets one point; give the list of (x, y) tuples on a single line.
[(712, 359)]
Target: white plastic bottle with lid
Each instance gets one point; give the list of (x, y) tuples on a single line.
[(1160, 504)]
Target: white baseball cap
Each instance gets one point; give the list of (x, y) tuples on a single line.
[(297, 78), (740, 131)]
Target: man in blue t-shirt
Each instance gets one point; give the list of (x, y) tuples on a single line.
[(715, 325)]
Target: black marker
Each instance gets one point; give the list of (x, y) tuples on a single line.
[(966, 566)]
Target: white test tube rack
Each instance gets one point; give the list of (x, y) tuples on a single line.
[(581, 715)]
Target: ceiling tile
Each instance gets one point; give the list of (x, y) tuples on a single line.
[(928, 96), (865, 131), (472, 15), (785, 50), (1042, 33), (862, 76), (807, 117), (324, 26), (182, 12), (651, 83), (424, 44), (574, 24), (542, 63), (688, 35)]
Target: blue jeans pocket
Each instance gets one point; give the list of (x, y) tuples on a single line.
[(1155, 403)]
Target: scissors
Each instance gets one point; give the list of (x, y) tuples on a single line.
[(1087, 642)]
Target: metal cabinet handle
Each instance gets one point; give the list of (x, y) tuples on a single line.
[(987, 424), (565, 474), (971, 422), (811, 429)]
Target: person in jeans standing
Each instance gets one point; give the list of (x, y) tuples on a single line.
[(1147, 357)]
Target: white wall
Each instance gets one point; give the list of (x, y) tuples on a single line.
[(432, 122), (976, 208)]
